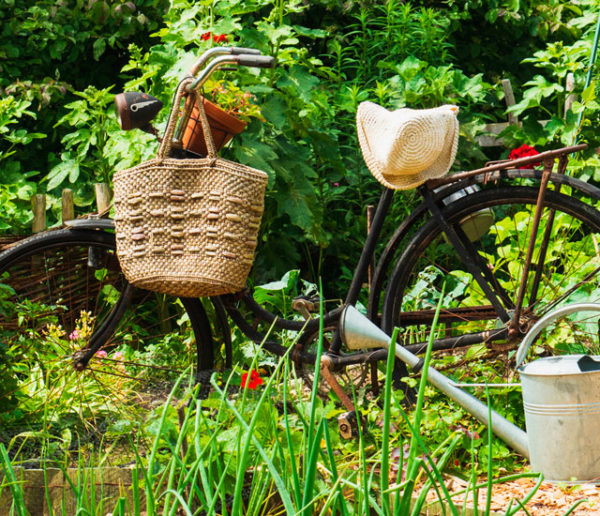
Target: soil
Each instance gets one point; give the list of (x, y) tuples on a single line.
[(550, 499)]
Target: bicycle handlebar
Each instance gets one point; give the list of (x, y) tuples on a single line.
[(221, 51), (241, 50), (254, 60)]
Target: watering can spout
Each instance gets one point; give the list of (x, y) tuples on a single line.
[(358, 332)]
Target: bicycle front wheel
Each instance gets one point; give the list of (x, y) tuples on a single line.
[(81, 347), (496, 226)]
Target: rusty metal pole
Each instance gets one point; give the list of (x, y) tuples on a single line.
[(514, 324)]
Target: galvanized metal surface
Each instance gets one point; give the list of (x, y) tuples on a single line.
[(562, 414), (562, 407)]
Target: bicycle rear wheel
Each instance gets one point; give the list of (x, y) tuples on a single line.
[(496, 224), (82, 348)]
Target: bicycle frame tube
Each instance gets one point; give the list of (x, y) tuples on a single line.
[(420, 212), (360, 273), (548, 165), (362, 268), (416, 217)]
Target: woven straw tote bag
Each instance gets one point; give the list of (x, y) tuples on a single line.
[(188, 227)]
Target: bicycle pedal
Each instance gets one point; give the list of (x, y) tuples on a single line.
[(348, 425)]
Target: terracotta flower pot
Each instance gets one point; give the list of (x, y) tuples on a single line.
[(223, 127)]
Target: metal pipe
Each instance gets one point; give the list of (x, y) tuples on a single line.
[(209, 54), (209, 69), (359, 333)]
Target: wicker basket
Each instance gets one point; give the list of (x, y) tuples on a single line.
[(188, 227)]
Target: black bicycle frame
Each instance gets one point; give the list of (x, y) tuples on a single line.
[(433, 204)]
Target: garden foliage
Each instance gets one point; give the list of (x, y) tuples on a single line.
[(60, 62)]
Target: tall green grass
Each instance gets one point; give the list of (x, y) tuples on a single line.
[(270, 451)]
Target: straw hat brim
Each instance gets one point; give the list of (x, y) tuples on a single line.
[(406, 147)]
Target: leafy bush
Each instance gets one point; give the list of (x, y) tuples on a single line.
[(545, 98), (15, 187), (44, 38)]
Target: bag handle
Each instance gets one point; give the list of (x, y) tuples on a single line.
[(165, 147)]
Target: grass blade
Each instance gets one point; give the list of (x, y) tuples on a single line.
[(15, 487), (385, 438)]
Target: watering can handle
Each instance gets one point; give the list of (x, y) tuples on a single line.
[(549, 319)]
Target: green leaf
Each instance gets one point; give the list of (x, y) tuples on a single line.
[(285, 283), (68, 167), (310, 33), (589, 93), (274, 111), (99, 48), (301, 82)]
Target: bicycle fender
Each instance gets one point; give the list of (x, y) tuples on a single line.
[(420, 212), (89, 223)]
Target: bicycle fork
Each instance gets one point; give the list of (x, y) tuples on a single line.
[(514, 327)]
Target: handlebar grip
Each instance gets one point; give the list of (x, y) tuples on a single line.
[(236, 51), (256, 61)]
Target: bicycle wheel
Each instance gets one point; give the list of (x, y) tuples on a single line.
[(495, 225), (82, 348)]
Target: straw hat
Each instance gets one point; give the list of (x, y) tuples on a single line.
[(406, 147)]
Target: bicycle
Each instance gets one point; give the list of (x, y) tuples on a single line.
[(511, 243)]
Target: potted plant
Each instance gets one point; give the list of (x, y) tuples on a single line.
[(228, 109)]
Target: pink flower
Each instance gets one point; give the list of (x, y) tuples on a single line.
[(336, 184), (118, 355), (101, 354), (74, 335)]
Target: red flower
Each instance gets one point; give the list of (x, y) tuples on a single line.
[(205, 36), (253, 382), (221, 38), (522, 152)]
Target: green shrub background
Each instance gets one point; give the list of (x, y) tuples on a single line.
[(62, 62)]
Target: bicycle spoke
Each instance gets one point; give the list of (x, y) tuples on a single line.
[(66, 307), (563, 262)]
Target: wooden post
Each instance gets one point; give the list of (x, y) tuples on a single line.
[(38, 205), (492, 140), (571, 97), (102, 198), (509, 98), (68, 210)]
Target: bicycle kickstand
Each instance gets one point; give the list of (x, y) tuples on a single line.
[(347, 422)]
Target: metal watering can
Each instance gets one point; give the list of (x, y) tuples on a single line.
[(561, 396)]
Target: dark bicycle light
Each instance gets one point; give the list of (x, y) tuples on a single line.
[(136, 110)]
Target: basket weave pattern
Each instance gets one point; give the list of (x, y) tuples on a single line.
[(188, 227)]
